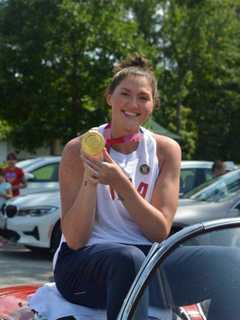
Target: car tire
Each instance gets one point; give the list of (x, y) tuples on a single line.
[(55, 238)]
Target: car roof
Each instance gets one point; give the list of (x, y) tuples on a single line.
[(185, 164), (196, 164), (30, 164)]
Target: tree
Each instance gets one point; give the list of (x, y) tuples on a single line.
[(55, 60), (201, 72)]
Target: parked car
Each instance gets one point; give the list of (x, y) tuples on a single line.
[(41, 174), (195, 172), (34, 220), (216, 199), (208, 233), (13, 299)]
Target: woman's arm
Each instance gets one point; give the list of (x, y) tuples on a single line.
[(155, 218), (78, 196)]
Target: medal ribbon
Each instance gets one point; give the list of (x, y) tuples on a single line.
[(109, 141)]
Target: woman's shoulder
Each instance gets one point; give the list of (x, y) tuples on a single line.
[(72, 146), (71, 152), (167, 147)]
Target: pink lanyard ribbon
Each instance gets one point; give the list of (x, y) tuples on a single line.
[(109, 141)]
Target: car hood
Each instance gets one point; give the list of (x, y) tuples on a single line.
[(191, 211), (36, 199), (187, 202), (13, 300), (36, 188)]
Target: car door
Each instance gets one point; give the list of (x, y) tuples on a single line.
[(171, 299), (43, 178)]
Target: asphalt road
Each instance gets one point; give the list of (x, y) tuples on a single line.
[(19, 265)]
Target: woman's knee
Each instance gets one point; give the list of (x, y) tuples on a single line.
[(127, 260)]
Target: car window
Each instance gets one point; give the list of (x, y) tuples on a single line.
[(237, 207), (223, 188), (187, 180), (47, 173), (193, 177), (24, 164), (229, 182), (202, 290)]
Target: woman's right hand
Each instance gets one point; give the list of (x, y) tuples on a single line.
[(102, 169)]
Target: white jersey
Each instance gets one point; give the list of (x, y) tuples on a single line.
[(113, 223)]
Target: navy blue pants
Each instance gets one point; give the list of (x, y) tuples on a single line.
[(100, 276)]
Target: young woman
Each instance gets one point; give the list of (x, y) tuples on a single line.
[(115, 207), (113, 210)]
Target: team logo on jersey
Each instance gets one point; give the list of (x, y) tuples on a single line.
[(144, 169)]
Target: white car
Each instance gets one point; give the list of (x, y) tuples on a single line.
[(34, 219), (194, 173), (40, 173)]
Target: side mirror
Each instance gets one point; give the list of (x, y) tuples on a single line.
[(29, 176)]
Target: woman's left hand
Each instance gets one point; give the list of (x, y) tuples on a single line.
[(106, 171)]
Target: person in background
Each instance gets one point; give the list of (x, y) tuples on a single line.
[(5, 189), (218, 168), (13, 174)]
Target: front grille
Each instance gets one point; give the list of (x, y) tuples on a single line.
[(10, 211)]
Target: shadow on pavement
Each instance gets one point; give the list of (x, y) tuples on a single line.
[(20, 265)]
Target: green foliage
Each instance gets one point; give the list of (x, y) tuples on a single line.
[(56, 59), (200, 70), (5, 129)]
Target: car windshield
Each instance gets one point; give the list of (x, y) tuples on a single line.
[(173, 286), (218, 189), (23, 164)]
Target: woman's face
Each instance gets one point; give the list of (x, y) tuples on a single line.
[(131, 102)]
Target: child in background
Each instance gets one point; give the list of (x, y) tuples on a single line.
[(14, 175), (5, 189)]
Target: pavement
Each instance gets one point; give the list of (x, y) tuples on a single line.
[(20, 265), (3, 242), (10, 245)]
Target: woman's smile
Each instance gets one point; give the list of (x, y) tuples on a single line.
[(128, 114)]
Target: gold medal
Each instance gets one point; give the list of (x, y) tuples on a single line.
[(92, 143)]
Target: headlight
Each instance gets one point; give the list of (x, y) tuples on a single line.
[(36, 212)]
